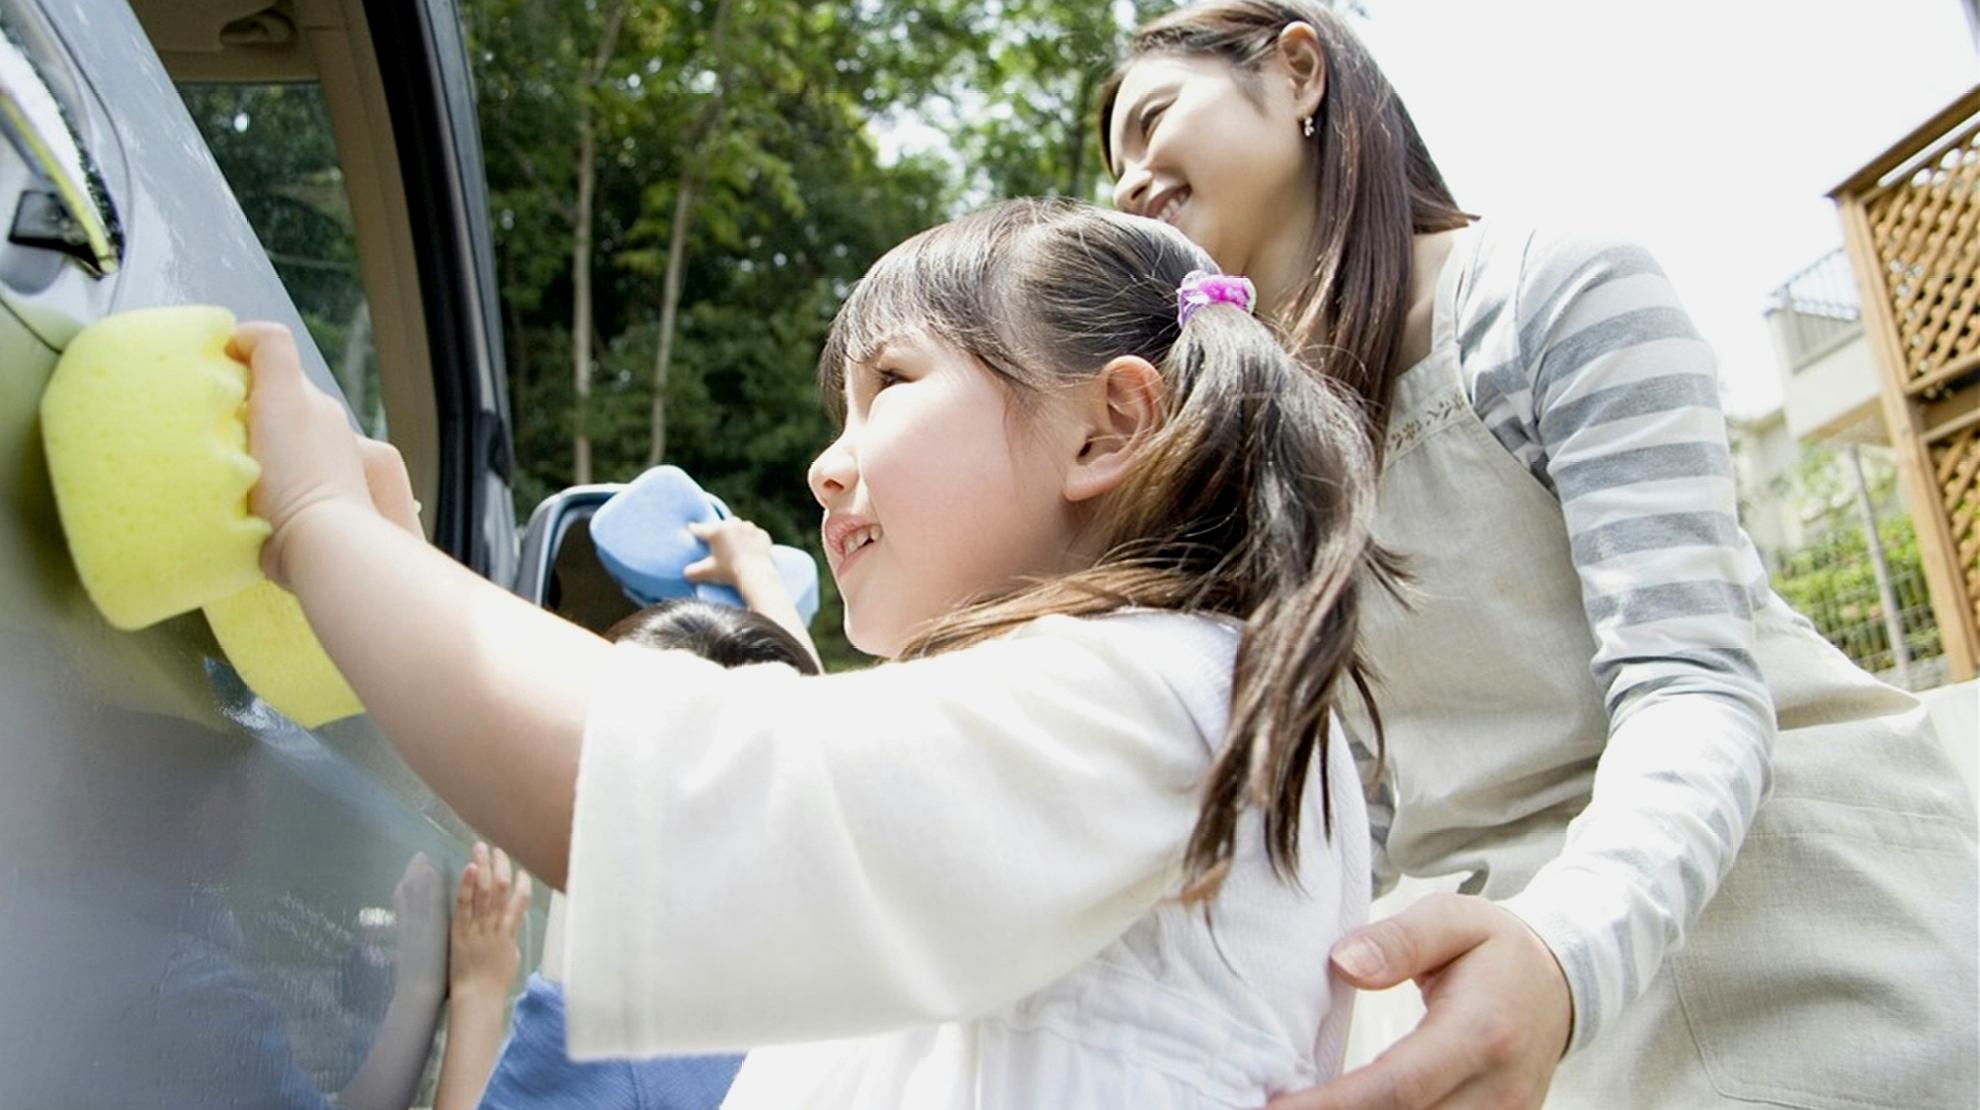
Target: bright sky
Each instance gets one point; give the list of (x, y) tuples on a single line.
[(1708, 130)]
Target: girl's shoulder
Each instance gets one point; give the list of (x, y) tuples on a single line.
[(1146, 633), (1193, 654)]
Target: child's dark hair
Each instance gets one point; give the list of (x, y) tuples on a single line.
[(718, 633), (1252, 499)]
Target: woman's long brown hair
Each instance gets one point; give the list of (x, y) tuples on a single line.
[(1375, 185), (1251, 500)]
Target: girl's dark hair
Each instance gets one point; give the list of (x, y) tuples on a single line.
[(1375, 185), (718, 633), (1251, 499)]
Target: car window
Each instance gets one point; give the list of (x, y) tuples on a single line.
[(274, 145)]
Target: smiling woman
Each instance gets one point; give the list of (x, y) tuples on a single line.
[(1589, 688)]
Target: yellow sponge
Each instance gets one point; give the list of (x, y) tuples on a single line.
[(265, 635), (144, 425), (147, 451)]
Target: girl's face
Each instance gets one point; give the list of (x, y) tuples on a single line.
[(1223, 161), (938, 491)]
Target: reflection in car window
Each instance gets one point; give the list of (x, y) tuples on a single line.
[(274, 144), (41, 128)]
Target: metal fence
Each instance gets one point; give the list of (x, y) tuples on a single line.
[(1862, 597)]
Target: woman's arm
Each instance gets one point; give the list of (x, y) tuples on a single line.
[(1617, 411), (1625, 414)]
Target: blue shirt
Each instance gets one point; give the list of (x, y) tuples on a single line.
[(535, 1072)]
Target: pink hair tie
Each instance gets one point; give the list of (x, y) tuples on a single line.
[(1201, 287)]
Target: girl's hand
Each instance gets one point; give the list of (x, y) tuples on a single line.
[(739, 556), (488, 914), (390, 487), (418, 903), (737, 551), (1497, 1018), (308, 454)]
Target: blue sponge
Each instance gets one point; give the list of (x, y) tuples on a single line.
[(642, 539)]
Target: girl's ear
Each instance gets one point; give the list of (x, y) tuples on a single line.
[(1299, 51), (1118, 411)]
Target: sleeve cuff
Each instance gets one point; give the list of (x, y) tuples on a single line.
[(1574, 955), (611, 888)]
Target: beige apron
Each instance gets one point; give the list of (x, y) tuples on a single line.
[(1836, 966)]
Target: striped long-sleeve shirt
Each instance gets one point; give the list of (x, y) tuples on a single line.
[(1582, 363)]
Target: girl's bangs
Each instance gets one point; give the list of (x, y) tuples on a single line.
[(935, 285)]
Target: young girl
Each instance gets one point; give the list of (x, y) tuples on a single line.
[(1593, 686), (1074, 846)]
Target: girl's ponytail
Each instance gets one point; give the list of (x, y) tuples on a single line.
[(1270, 467), (1251, 500)]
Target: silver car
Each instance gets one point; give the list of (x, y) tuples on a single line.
[(201, 903)]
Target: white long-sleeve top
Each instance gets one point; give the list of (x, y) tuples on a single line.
[(950, 882)]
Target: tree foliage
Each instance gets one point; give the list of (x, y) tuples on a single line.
[(738, 145)]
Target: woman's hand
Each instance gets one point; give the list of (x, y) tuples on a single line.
[(1497, 1019), (488, 914), (738, 553), (308, 454)]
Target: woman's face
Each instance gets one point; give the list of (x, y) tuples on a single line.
[(1219, 155)]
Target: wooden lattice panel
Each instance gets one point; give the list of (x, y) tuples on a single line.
[(1928, 251), (1956, 463), (1911, 222)]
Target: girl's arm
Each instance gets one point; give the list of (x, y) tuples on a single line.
[(481, 963), (759, 856), (482, 693), (739, 556)]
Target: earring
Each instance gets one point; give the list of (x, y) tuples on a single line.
[(1306, 127)]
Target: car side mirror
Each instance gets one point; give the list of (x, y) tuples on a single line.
[(559, 568)]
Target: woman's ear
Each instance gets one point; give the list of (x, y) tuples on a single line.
[(1120, 409), (1299, 51)]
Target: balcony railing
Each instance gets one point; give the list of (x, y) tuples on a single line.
[(1817, 310)]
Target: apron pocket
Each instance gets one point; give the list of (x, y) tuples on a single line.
[(1835, 969)]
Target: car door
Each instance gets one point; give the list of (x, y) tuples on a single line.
[(201, 903)]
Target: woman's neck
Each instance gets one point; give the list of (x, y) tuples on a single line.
[(1287, 261), (1282, 267), (1429, 252)]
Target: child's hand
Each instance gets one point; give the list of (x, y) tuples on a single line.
[(737, 550), (308, 454), (390, 486), (739, 556), (488, 914), (418, 903)]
